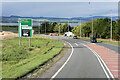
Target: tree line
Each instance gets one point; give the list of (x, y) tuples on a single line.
[(48, 27), (101, 28), (53, 27)]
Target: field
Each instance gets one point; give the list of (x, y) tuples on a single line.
[(14, 28), (17, 62)]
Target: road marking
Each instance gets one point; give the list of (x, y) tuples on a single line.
[(107, 48), (64, 63), (110, 44), (102, 45), (115, 70), (99, 61), (86, 42), (99, 58), (76, 44), (116, 66)]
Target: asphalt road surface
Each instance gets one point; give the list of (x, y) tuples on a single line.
[(109, 46), (83, 63)]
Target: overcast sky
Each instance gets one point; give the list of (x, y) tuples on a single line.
[(59, 9), (59, 0)]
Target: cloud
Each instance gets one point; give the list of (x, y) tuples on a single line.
[(59, 0), (58, 9)]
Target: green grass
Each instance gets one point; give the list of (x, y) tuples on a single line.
[(103, 40), (17, 62), (110, 42)]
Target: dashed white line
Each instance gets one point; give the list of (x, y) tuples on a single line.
[(76, 44), (86, 42)]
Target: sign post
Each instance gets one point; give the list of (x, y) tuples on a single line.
[(29, 42), (25, 29)]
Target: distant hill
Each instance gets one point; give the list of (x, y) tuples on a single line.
[(14, 19)]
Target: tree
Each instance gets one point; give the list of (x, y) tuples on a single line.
[(49, 27), (63, 28), (117, 30), (76, 30), (106, 29), (87, 29), (56, 28)]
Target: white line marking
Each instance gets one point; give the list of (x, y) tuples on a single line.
[(64, 63), (108, 48), (107, 69), (110, 44), (116, 66), (76, 44), (102, 46), (99, 58), (115, 70), (86, 42)]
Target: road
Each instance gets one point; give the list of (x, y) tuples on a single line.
[(109, 46), (83, 63)]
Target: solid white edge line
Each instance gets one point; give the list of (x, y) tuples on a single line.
[(101, 59), (105, 66), (101, 63), (64, 63), (104, 62)]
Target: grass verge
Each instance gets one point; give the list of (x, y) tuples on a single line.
[(17, 62), (36, 73)]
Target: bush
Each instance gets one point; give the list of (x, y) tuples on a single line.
[(30, 49)]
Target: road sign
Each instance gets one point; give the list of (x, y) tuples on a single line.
[(25, 27)]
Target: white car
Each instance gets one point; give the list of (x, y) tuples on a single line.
[(25, 34)]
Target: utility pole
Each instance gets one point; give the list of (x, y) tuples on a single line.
[(92, 20), (39, 27), (45, 27), (68, 26), (80, 28), (92, 25), (49, 23), (111, 27), (59, 29)]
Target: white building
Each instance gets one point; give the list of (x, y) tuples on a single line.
[(68, 34)]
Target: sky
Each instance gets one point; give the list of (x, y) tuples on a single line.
[(59, 9), (59, 0)]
